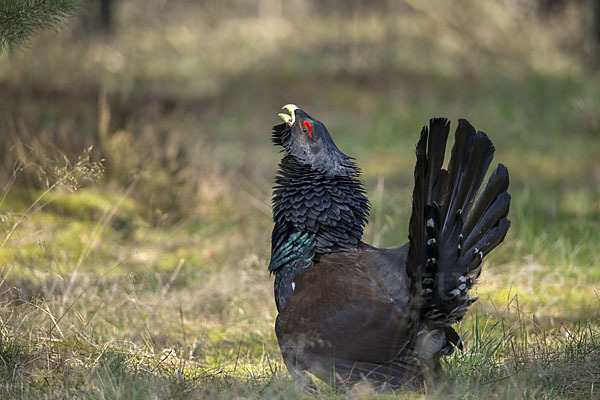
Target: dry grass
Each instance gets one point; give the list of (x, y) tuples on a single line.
[(138, 269)]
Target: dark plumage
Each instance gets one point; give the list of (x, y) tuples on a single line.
[(349, 311)]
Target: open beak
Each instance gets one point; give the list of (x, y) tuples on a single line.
[(289, 119)]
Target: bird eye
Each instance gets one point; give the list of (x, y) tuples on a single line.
[(307, 129)]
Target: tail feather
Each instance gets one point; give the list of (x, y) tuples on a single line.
[(440, 184), (453, 226), (498, 183), (460, 144), (483, 153), (476, 157), (416, 231), (436, 147), (495, 212), (493, 237)]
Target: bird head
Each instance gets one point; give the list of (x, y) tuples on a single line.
[(308, 141)]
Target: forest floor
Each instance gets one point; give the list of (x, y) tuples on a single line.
[(136, 174)]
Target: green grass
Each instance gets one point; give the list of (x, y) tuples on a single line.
[(138, 269)]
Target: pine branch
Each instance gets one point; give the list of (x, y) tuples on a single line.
[(19, 19)]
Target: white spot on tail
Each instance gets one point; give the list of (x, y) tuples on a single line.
[(293, 286), (431, 242), (430, 223)]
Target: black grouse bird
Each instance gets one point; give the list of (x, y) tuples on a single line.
[(349, 311)]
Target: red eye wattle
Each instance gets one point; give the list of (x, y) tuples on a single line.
[(307, 128)]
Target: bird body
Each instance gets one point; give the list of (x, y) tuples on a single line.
[(349, 311)]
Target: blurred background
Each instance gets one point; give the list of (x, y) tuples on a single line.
[(136, 168)]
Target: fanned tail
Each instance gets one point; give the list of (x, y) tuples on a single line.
[(452, 228)]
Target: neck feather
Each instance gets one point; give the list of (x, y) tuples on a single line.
[(332, 207)]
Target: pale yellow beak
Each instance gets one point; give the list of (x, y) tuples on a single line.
[(289, 119)]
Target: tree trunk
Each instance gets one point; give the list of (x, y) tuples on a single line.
[(595, 32)]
